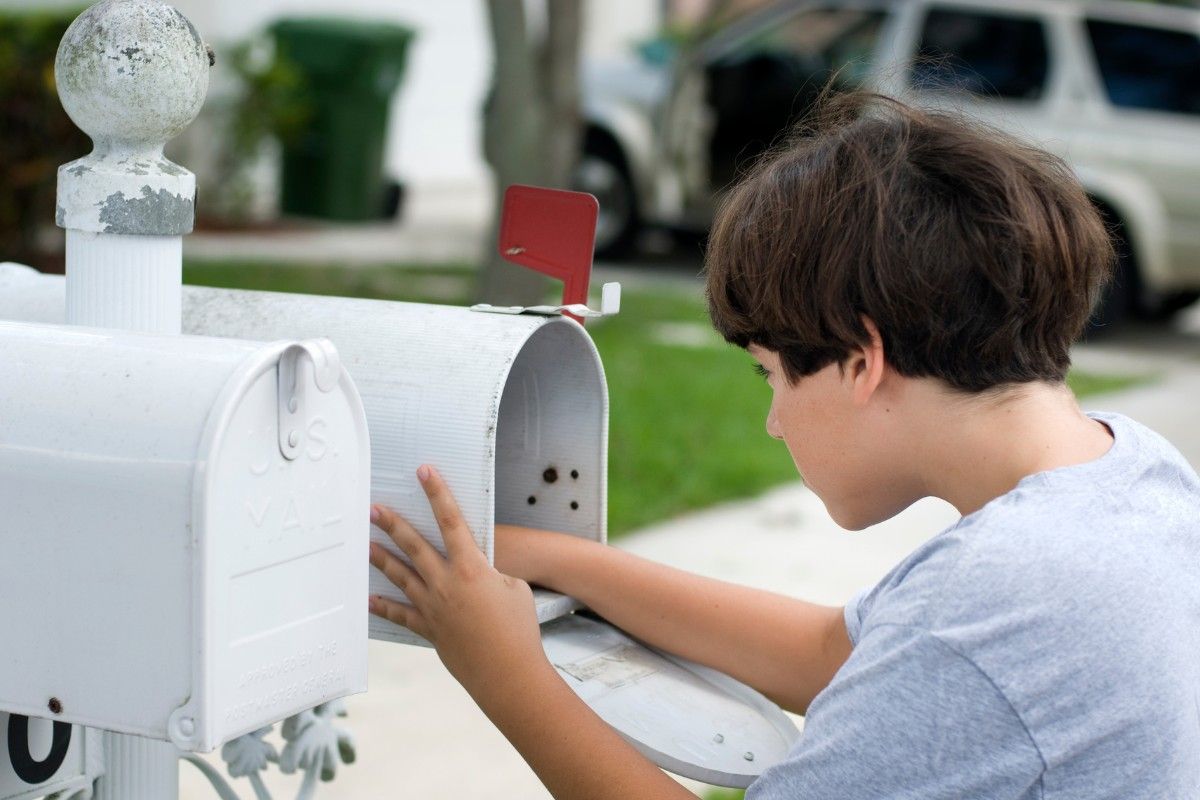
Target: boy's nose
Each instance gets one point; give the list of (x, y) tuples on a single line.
[(773, 426)]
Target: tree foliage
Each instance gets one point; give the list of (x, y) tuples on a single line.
[(532, 129), (36, 135)]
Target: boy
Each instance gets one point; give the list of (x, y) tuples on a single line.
[(910, 285)]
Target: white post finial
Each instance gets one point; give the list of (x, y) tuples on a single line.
[(132, 74)]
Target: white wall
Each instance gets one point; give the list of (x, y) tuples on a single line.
[(434, 133), (435, 130)]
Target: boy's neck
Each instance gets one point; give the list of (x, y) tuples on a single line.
[(976, 449)]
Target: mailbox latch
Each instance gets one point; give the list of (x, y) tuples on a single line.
[(311, 362)]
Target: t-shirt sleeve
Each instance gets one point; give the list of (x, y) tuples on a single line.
[(852, 615), (907, 717)]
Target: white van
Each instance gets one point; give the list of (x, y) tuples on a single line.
[(1112, 87)]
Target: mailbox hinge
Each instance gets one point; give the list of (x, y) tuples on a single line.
[(610, 304), (322, 368)]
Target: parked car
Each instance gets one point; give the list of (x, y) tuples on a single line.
[(1112, 87)]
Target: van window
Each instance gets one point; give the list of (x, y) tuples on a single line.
[(1144, 67), (770, 77), (991, 55), (825, 40)]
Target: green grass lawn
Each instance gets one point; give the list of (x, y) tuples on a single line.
[(451, 283), (687, 413), (724, 794)]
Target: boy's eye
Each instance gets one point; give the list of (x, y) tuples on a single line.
[(762, 371)]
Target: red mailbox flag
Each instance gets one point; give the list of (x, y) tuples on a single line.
[(552, 232)]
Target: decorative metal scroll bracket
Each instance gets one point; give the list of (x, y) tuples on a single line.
[(314, 744)]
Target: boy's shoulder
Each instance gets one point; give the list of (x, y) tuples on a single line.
[(1048, 639), (1078, 584), (1106, 526)]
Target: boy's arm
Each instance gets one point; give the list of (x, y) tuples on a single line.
[(785, 648), (485, 629), (574, 753)]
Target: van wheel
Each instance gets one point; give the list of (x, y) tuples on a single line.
[(602, 173), (1121, 299), (1165, 306), (1118, 301)]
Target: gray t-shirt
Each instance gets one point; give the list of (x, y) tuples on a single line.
[(1045, 646)]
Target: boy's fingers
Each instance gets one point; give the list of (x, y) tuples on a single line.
[(455, 533), (399, 613), (425, 559), (400, 574)]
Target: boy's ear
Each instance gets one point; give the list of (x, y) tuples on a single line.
[(865, 365)]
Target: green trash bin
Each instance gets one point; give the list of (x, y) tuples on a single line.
[(349, 69)]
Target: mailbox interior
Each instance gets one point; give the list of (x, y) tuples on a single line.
[(552, 443), (551, 437)]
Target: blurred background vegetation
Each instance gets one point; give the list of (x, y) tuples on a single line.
[(36, 135)]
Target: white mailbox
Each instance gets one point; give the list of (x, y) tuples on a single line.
[(184, 537), (513, 410)]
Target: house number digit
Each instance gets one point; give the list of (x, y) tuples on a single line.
[(27, 769)]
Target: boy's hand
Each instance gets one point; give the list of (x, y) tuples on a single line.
[(482, 623), (485, 629)]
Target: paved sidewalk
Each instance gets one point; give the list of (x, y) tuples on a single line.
[(441, 223)]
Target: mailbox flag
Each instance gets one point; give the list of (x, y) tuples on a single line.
[(553, 232)]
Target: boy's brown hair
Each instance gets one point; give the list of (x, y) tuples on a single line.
[(977, 256)]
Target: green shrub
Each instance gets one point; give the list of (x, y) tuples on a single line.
[(269, 102), (36, 135)]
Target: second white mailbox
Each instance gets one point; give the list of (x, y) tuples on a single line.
[(184, 533)]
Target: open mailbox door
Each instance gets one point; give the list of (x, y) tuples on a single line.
[(686, 718)]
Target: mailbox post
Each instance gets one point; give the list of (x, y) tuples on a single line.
[(132, 74)]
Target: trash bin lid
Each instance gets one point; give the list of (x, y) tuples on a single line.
[(687, 719), (336, 52), (359, 32)]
